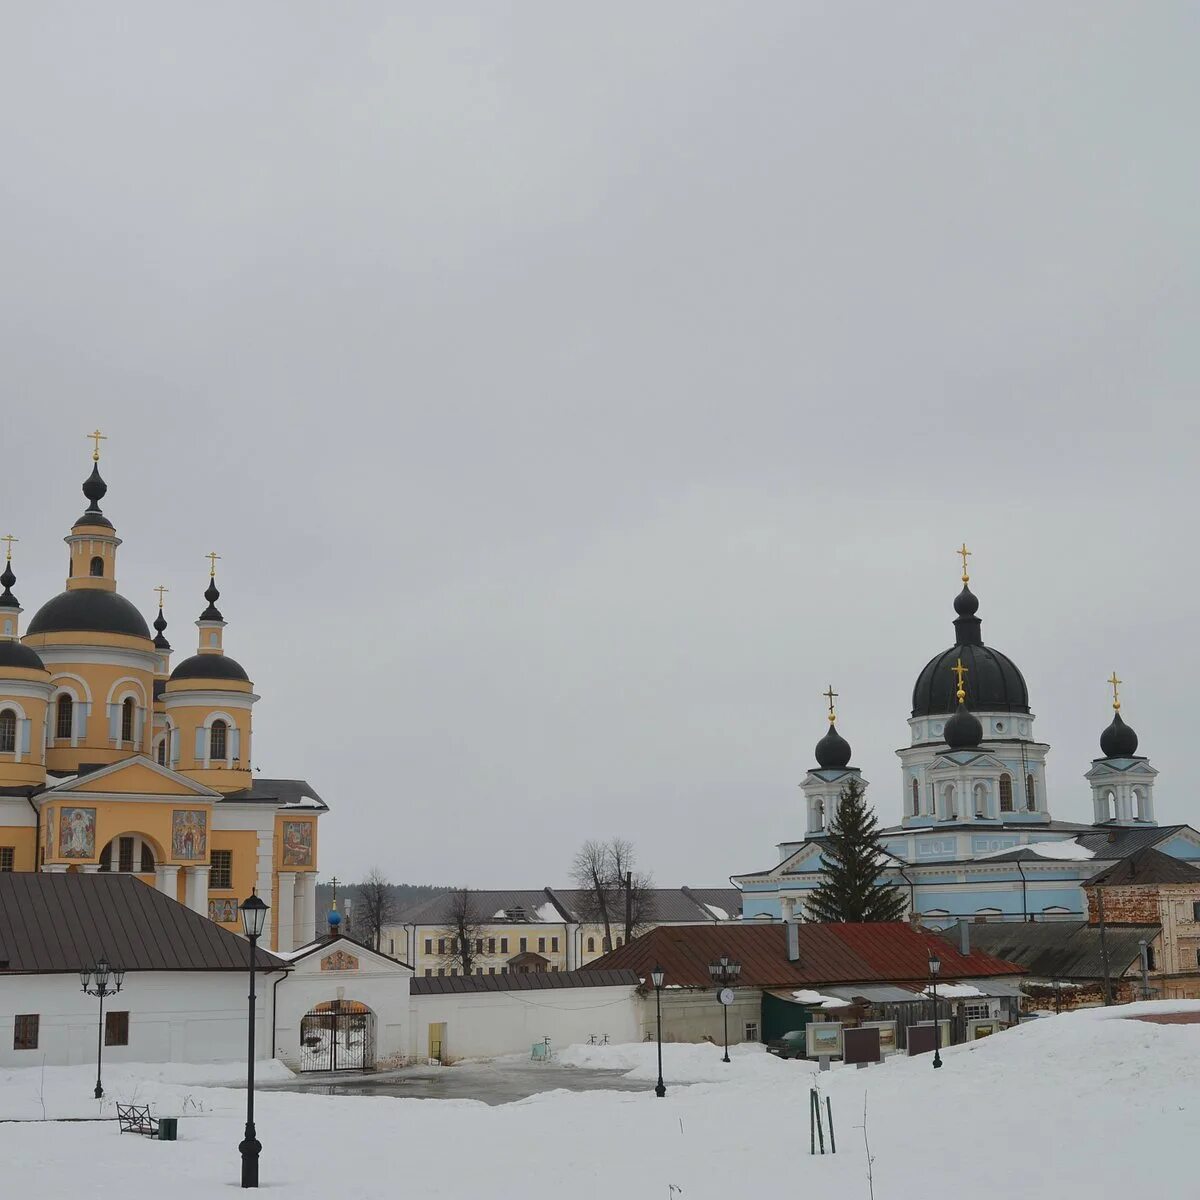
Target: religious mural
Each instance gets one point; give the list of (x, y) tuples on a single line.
[(77, 833), (225, 911), (339, 960), (297, 843), (189, 833)]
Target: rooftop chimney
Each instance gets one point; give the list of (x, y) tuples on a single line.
[(964, 937), (793, 941)]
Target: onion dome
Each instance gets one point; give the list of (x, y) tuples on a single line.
[(160, 626), (89, 610), (210, 666), (211, 613), (1118, 740), (963, 731), (996, 683), (335, 919), (7, 599), (14, 655), (95, 489), (833, 751)]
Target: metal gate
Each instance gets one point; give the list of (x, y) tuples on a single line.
[(338, 1036)]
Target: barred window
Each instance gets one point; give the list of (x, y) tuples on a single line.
[(64, 716), (217, 740), (7, 857), (1006, 796), (8, 731), (25, 1031), (220, 870), (1030, 794), (127, 711)]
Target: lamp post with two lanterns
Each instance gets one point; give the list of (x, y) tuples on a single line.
[(96, 983), (725, 972)]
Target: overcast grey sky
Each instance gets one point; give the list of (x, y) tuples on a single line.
[(574, 391)]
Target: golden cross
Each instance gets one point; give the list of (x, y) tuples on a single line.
[(212, 564), (160, 590), (1116, 683), (831, 696), (960, 671), (965, 555), (8, 537), (97, 437)]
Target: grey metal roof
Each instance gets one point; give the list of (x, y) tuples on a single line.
[(528, 981), (666, 905), (875, 993), (1060, 949), (51, 922), (1146, 866), (279, 791)]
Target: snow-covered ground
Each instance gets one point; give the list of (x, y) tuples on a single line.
[(1085, 1103)]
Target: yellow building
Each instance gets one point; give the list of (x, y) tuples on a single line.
[(112, 761)]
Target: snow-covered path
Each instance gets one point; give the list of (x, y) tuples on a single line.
[(1082, 1103)]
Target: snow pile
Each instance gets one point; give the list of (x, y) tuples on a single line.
[(547, 912), (1067, 850), (683, 1062), (805, 996), (718, 912), (954, 991), (1087, 1103)]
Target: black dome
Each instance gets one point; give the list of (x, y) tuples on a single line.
[(13, 654), (92, 611), (993, 681), (963, 731), (1118, 740), (833, 751), (210, 666)]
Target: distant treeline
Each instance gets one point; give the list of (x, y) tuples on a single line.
[(404, 895)]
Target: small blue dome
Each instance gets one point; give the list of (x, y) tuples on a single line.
[(335, 917)]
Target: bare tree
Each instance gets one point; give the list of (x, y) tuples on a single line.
[(612, 891), (463, 934), (375, 907)]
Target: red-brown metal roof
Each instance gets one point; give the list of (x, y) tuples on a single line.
[(885, 952)]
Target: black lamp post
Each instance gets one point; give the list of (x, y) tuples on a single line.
[(935, 966), (657, 975), (96, 983), (725, 972), (254, 918)]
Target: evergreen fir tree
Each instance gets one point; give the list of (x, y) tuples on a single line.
[(850, 889)]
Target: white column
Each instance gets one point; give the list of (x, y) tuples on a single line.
[(55, 868), (89, 868), (1123, 798), (195, 889), (265, 882), (285, 914), (166, 880), (787, 907), (308, 907)]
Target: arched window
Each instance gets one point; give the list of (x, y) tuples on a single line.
[(949, 812), (97, 568), (217, 740), (1137, 806), (160, 753), (133, 854), (591, 945), (1030, 793), (1110, 804), (127, 711), (916, 798), (8, 731), (980, 800), (64, 717), (818, 813), (1006, 800)]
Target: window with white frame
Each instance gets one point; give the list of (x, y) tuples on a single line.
[(977, 1012), (8, 731), (751, 1032), (218, 740)]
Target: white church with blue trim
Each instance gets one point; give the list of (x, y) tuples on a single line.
[(977, 839)]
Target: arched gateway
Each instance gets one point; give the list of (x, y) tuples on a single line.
[(338, 1035)]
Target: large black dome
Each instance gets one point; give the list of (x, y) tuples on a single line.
[(13, 654), (89, 610), (993, 682), (210, 666)]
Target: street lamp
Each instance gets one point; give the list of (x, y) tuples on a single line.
[(724, 972), (96, 983), (254, 918), (657, 975), (935, 967)]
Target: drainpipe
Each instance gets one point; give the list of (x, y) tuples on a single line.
[(37, 827), (1024, 892), (283, 974)]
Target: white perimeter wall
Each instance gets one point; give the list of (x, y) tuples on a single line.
[(484, 1024), (174, 1016)]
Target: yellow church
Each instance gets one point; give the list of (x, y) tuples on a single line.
[(110, 760)]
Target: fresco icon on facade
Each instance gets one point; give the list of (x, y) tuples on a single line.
[(189, 833), (339, 960), (77, 833), (297, 843), (225, 911)]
